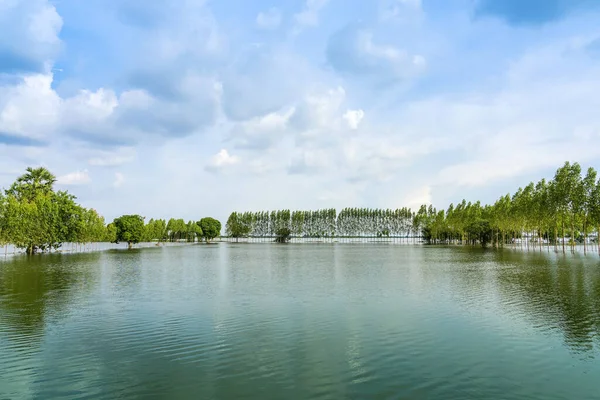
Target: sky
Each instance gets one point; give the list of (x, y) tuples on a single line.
[(194, 108)]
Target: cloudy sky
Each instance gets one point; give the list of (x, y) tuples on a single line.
[(191, 108)]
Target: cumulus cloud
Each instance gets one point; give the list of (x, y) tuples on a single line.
[(318, 109), (262, 132), (146, 114), (259, 82), (221, 161), (353, 118), (30, 35), (102, 117), (74, 178), (353, 50), (29, 110), (417, 197), (170, 81), (270, 19)]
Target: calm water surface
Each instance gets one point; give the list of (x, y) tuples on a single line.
[(329, 321)]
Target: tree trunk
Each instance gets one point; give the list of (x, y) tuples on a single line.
[(563, 235), (584, 239), (573, 234)]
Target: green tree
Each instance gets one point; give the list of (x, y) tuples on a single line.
[(283, 235), (4, 239), (110, 233), (237, 226), (193, 231), (33, 182), (130, 229), (587, 193), (211, 228), (35, 217)]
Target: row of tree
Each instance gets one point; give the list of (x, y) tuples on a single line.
[(564, 211), (560, 212), (131, 229), (35, 217)]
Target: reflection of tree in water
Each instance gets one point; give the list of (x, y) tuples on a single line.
[(35, 288), (564, 292)]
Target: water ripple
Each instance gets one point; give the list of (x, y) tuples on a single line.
[(325, 322)]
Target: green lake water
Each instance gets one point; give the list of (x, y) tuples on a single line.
[(300, 321)]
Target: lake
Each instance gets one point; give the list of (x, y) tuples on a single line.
[(299, 321)]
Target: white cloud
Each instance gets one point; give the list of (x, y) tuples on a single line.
[(30, 35), (415, 198), (119, 180), (262, 132), (318, 110), (259, 82), (381, 156), (74, 178), (191, 87), (353, 50), (221, 160), (31, 108), (353, 118), (270, 19)]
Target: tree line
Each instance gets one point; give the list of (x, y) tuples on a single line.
[(131, 229), (35, 217), (559, 213)]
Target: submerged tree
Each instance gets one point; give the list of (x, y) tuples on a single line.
[(36, 218), (211, 228), (130, 229), (563, 210), (237, 226), (283, 235)]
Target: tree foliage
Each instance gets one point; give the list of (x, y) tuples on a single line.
[(211, 228), (36, 218), (129, 229)]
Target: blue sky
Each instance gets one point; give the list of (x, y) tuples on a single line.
[(191, 108)]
